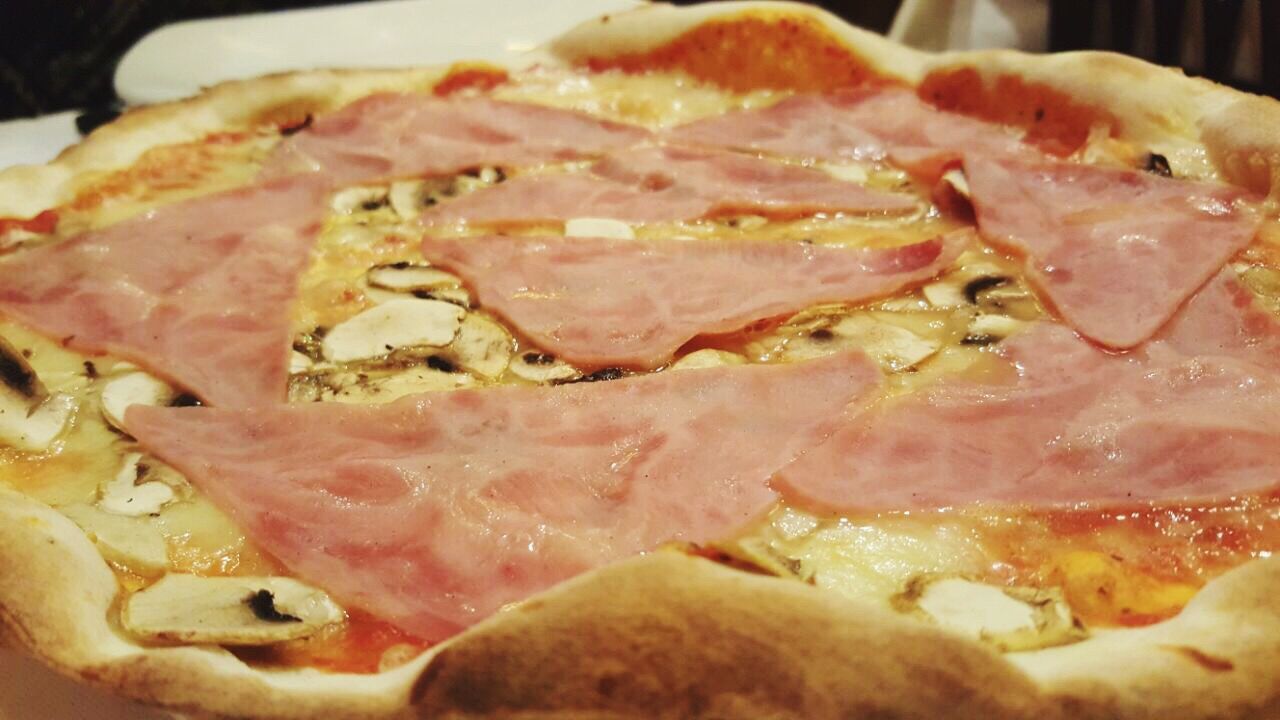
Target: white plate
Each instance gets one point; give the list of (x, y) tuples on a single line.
[(177, 60)]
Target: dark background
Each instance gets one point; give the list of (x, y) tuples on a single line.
[(61, 54)]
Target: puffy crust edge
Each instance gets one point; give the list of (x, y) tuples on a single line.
[(667, 635), (1206, 130)]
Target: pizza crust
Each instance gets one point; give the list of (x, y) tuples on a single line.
[(668, 635)]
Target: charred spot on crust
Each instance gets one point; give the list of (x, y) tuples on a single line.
[(977, 285), (303, 124), (1157, 164), (538, 358), (980, 339), (1202, 658), (436, 362), (263, 605), (185, 399), (605, 374)]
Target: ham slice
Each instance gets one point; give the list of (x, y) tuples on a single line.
[(658, 184), (1192, 416), (389, 135), (198, 292), (600, 302), (854, 125), (436, 510), (1115, 251)]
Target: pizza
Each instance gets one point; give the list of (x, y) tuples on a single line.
[(723, 361)]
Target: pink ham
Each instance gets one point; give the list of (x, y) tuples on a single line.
[(668, 184), (435, 511), (598, 302), (1191, 417), (402, 135), (199, 292), (854, 125), (1115, 251)]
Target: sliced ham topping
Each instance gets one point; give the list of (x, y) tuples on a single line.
[(659, 184), (854, 125), (600, 302), (199, 292), (400, 135), (1115, 251), (435, 511), (1190, 417)]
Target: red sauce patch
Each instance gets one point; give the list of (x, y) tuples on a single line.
[(784, 53), (45, 222), (466, 76), (1053, 121)]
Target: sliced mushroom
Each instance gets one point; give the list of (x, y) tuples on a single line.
[(1009, 618), (403, 323), (541, 367), (33, 429), (707, 358), (359, 198), (894, 347), (132, 492), (599, 228), (482, 346), (407, 277), (228, 610), (133, 388), (299, 363), (957, 182), (990, 329), (363, 388), (407, 198), (31, 419), (17, 375), (956, 289), (851, 172), (132, 543)]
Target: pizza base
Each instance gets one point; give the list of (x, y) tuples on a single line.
[(667, 635)]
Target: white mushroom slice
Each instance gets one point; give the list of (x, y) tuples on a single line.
[(33, 429), (945, 293), (407, 198), (482, 346), (956, 180), (354, 388), (228, 610), (749, 222), (458, 296), (987, 329), (132, 388), (598, 228), (849, 173), (131, 493), (132, 543), (707, 358), (407, 277), (1009, 618), (409, 322), (299, 363), (894, 347), (359, 198), (541, 367)]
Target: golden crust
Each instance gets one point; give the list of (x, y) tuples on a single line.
[(668, 635)]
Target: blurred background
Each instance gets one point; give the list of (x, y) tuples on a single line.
[(61, 54)]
